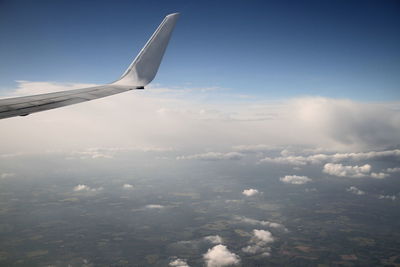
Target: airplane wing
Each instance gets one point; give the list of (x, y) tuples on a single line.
[(141, 72)]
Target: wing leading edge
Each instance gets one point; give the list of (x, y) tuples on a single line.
[(140, 73)]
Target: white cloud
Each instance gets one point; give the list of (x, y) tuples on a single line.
[(338, 157), (213, 156), (254, 148), (393, 170), (250, 192), (178, 263), (391, 197), (263, 235), (355, 190), (379, 175), (134, 119), (214, 239), (83, 187), (347, 171), (154, 206), (258, 222), (259, 243), (7, 175), (220, 256), (295, 179), (127, 186)]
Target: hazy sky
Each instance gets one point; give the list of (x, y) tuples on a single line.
[(271, 49)]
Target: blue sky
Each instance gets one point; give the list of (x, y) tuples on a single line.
[(270, 49)]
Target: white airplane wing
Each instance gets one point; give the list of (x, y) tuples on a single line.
[(141, 72)]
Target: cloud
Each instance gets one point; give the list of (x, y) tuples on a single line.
[(220, 256), (355, 190), (391, 197), (150, 118), (259, 243), (7, 175), (213, 156), (295, 179), (337, 157), (393, 170), (250, 192), (379, 175), (127, 186), (347, 171), (254, 148), (83, 187), (258, 222), (154, 206), (178, 263), (214, 239)]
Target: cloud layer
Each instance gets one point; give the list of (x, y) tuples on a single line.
[(160, 117)]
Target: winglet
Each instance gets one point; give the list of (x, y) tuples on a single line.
[(144, 68)]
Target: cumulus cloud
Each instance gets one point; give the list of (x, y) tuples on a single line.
[(250, 192), (220, 256), (295, 179), (83, 188), (178, 263), (214, 239), (213, 156), (347, 171), (355, 190), (259, 243), (127, 186)]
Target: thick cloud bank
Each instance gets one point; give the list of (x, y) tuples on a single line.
[(164, 117)]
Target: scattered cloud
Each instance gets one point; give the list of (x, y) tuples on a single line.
[(214, 239), (355, 190), (220, 256), (213, 156), (83, 188), (178, 263), (295, 179), (250, 192)]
